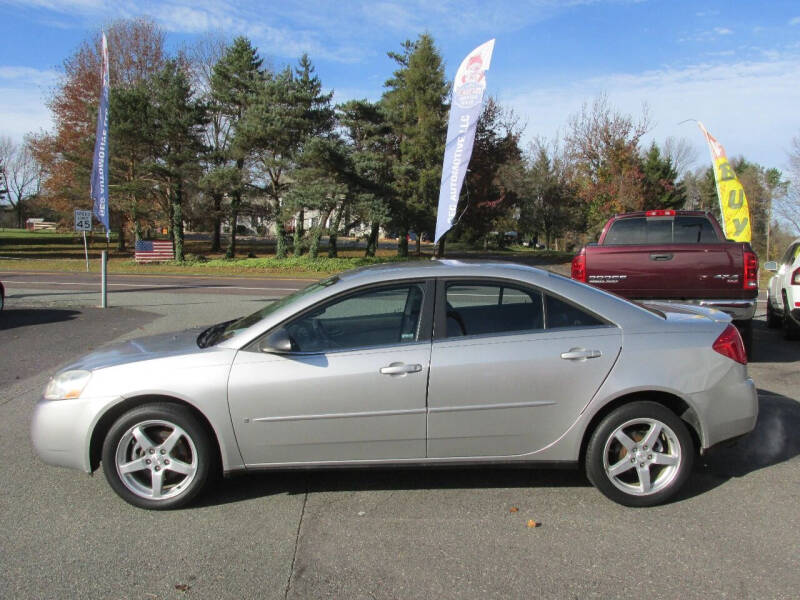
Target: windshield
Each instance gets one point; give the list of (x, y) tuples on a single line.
[(223, 331)]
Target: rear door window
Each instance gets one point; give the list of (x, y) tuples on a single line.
[(485, 309)]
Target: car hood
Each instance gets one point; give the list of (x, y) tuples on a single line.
[(145, 348)]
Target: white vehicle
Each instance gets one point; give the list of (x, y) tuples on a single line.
[(783, 301)]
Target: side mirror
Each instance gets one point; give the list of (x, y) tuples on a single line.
[(277, 342), (771, 266)]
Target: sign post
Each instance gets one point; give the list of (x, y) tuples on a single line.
[(83, 223)]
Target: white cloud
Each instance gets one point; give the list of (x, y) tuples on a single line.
[(22, 95), (332, 30), (722, 31), (749, 106), (795, 21)]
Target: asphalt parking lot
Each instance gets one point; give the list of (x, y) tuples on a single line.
[(734, 531)]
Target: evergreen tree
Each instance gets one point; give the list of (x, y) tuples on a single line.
[(286, 112), (178, 124), (235, 81), (488, 198), (369, 137), (416, 103), (132, 129), (660, 187)]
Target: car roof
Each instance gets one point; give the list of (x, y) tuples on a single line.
[(441, 268)]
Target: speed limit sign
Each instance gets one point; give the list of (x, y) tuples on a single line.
[(83, 220)]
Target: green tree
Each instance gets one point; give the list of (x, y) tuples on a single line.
[(217, 135), (548, 203), (661, 190), (416, 104), (179, 121), (235, 82), (369, 136), (319, 183), (489, 198), (132, 130), (286, 112)]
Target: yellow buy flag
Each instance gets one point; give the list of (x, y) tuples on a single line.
[(732, 201)]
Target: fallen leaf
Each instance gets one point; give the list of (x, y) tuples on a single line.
[(182, 587), (532, 524), (513, 509)]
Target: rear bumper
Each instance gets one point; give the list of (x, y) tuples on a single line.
[(739, 310), (728, 410)]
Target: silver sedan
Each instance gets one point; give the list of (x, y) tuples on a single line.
[(438, 363)]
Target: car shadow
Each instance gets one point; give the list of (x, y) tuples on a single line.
[(769, 345), (257, 485), (774, 440), (22, 317)]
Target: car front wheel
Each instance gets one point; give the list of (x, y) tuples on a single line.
[(157, 456), (640, 454)]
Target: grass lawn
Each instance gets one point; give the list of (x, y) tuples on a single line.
[(63, 251)]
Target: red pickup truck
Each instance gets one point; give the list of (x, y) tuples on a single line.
[(676, 256)]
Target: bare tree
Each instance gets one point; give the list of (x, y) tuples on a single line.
[(603, 144), (21, 173), (787, 206), (681, 152)]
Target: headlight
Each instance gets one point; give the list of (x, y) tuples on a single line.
[(68, 384)]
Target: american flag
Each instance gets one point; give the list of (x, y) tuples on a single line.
[(153, 251)]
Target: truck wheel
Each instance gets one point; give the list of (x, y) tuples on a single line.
[(773, 320), (640, 454)]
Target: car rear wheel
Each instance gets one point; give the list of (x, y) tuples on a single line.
[(640, 454), (157, 456)]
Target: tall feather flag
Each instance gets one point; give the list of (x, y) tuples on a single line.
[(732, 201), (468, 89), (99, 181)]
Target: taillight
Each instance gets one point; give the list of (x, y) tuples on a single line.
[(750, 280), (660, 213), (729, 343), (796, 277), (579, 266)]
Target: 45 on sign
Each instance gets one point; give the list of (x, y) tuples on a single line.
[(83, 220)]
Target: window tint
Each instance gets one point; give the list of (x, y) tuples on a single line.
[(387, 316), (660, 230), (488, 309), (694, 230), (562, 314)]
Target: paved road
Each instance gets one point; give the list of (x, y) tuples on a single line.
[(65, 283), (733, 533)]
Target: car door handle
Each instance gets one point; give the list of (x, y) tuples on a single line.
[(667, 256), (580, 354), (400, 369)]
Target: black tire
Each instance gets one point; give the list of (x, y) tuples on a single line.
[(746, 331), (672, 442), (143, 439), (773, 320)]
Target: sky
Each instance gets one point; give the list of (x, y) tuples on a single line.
[(735, 65)]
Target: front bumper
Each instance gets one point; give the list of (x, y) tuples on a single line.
[(61, 430), (739, 310)]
